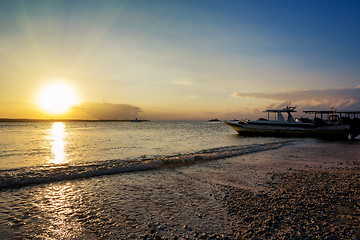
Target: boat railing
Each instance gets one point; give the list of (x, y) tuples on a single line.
[(333, 117)]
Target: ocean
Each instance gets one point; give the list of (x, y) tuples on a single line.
[(39, 152), (122, 180)]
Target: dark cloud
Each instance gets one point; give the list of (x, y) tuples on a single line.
[(109, 111), (342, 98)]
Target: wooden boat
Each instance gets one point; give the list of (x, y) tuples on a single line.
[(334, 127)]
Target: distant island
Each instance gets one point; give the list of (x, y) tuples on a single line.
[(66, 120)]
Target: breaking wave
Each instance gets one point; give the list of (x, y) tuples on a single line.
[(21, 177)]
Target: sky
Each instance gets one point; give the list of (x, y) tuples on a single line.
[(180, 59)]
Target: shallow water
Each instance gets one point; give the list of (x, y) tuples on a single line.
[(119, 206), (46, 143), (128, 180), (34, 153)]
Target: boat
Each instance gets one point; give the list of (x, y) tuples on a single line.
[(136, 120), (337, 125), (214, 120)]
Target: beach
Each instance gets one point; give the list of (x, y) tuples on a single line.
[(309, 189), (308, 193), (296, 192), (303, 204), (179, 120)]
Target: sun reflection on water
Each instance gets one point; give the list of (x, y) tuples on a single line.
[(58, 143), (60, 207)]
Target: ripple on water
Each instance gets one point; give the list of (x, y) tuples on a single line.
[(120, 206)]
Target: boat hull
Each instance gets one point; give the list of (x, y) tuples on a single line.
[(330, 132)]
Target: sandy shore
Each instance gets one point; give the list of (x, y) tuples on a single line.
[(302, 204), (306, 191)]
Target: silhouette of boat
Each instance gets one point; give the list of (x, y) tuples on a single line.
[(337, 125), (214, 120), (136, 120)]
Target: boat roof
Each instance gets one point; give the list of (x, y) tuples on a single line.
[(280, 110), (287, 109), (331, 112)]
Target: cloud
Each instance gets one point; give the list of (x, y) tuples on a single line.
[(184, 82), (342, 98), (109, 111)]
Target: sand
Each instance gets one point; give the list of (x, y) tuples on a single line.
[(309, 190), (312, 204)]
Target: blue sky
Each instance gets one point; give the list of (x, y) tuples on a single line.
[(181, 59)]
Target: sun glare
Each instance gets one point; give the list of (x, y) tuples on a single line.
[(58, 142), (57, 98)]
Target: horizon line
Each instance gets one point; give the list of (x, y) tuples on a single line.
[(66, 120)]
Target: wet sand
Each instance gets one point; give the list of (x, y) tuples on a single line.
[(306, 190), (309, 190)]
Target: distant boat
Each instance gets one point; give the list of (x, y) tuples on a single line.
[(335, 126), (136, 120), (214, 120)]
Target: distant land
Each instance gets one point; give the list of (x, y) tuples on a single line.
[(65, 120)]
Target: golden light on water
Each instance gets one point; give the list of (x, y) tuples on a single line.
[(59, 204), (57, 136)]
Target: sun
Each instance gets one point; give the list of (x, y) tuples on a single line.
[(57, 98)]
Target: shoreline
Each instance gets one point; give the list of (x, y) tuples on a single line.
[(69, 120), (305, 190), (295, 192)]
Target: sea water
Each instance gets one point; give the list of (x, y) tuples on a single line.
[(38, 152), (91, 180)]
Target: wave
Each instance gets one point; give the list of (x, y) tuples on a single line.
[(21, 177)]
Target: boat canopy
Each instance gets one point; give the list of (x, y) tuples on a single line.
[(280, 117), (283, 110), (287, 109), (350, 114)]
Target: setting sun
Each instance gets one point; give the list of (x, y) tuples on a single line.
[(57, 98)]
